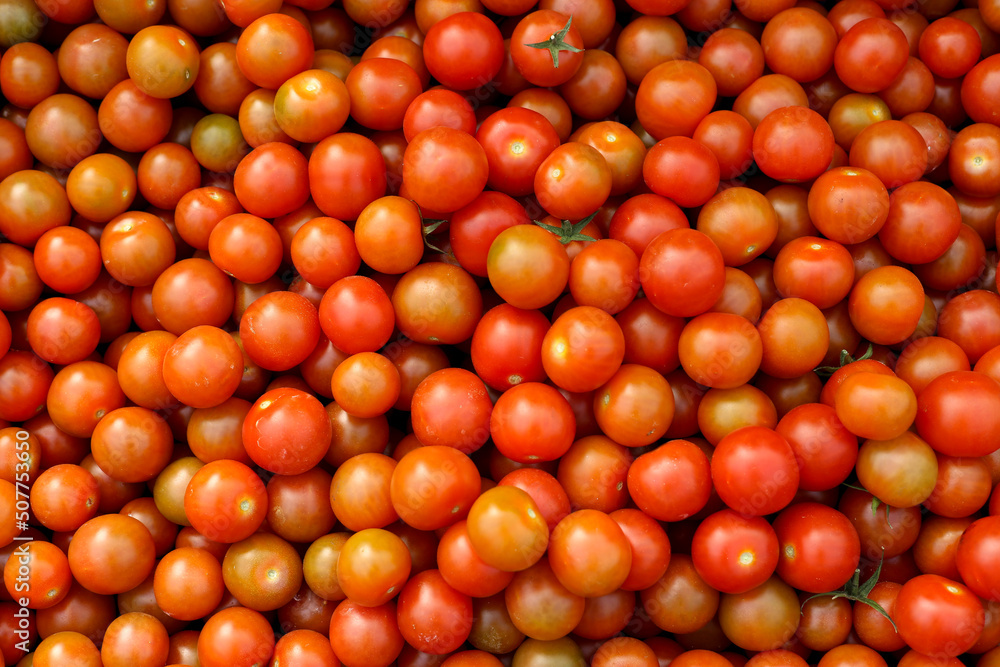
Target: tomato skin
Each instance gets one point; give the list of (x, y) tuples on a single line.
[(235, 636), (761, 619), (444, 153), (922, 606), (536, 65), (43, 572), (778, 138), (506, 529), (111, 553), (540, 606), (373, 565), (437, 303), (507, 346), (473, 228), (892, 150), (202, 367), (972, 556), (594, 472), (882, 290), (131, 444), (959, 402), (433, 487), (969, 319), (819, 548), (674, 97), (682, 169), (279, 330), (462, 567), (635, 407), (672, 482), (571, 368), (356, 315), (380, 90), (650, 548), (720, 350), (754, 471), (346, 173), (848, 204), (527, 266), (870, 55), (583, 349), (589, 553), (682, 272), (188, 571), (365, 635), (287, 431), (824, 449), (734, 553), (464, 51), (433, 616), (366, 385), (67, 647), (573, 181), (800, 263), (452, 408), (923, 221), (305, 647), (225, 501), (62, 331), (516, 141), (532, 422)]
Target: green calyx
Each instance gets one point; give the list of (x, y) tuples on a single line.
[(845, 359), (569, 231), (856, 591), (556, 43)]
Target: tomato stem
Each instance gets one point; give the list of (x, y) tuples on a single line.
[(856, 591), (569, 231), (556, 43), (845, 359), (430, 226), (875, 502)]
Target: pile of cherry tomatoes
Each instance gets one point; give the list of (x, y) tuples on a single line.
[(499, 332)]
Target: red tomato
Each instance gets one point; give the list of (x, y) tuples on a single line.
[(824, 449), (779, 138), (674, 97), (426, 604), (929, 598), (582, 349), (818, 547), (507, 530), (677, 465), (507, 346), (754, 471), (959, 403), (734, 553), (464, 51), (682, 272), (287, 431), (444, 153), (683, 169), (452, 408), (346, 173), (546, 48), (356, 315), (433, 487), (573, 181), (532, 422)]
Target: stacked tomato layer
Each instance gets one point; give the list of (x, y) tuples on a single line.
[(482, 332)]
